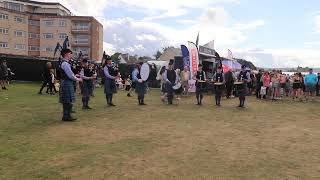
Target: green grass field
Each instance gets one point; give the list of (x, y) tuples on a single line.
[(267, 140)]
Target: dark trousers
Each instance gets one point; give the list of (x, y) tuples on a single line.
[(50, 87), (229, 87), (170, 98), (218, 99), (141, 98), (242, 99), (67, 108), (258, 89), (318, 90), (45, 83), (85, 101), (199, 96), (109, 98)]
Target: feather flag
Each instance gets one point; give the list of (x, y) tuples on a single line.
[(230, 55), (197, 41)]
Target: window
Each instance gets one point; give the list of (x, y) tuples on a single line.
[(4, 16), (4, 31), (62, 36), (15, 6), (19, 19), (19, 33), (82, 26), (20, 47), (34, 48), (62, 23), (34, 36), (48, 49), (34, 22), (47, 35), (4, 45), (85, 51), (82, 39), (48, 22)]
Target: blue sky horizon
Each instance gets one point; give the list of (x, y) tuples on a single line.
[(269, 33)]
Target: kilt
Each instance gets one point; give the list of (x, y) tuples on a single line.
[(86, 88), (218, 89), (201, 87), (66, 92), (163, 87), (141, 88), (168, 88), (110, 86), (134, 84), (241, 90)]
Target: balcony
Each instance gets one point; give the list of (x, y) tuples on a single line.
[(81, 29), (80, 44)]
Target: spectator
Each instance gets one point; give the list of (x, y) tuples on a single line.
[(259, 83), (310, 81), (46, 75), (318, 85), (185, 76), (265, 83), (229, 78), (3, 74)]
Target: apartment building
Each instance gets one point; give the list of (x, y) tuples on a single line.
[(30, 28)]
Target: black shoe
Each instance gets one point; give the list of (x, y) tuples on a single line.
[(40, 93), (111, 104), (4, 88), (69, 119), (143, 104), (128, 95), (86, 108)]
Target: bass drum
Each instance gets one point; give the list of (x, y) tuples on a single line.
[(177, 88), (145, 71)]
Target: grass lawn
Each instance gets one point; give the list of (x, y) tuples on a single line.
[(267, 140)]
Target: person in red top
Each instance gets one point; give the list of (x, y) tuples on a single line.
[(266, 83)]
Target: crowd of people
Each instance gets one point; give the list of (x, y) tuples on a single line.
[(275, 85)]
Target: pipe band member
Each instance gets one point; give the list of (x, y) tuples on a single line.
[(111, 75), (200, 78), (170, 79), (218, 77), (141, 86), (67, 92), (87, 75), (242, 89)]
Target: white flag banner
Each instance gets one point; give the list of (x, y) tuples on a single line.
[(194, 58)]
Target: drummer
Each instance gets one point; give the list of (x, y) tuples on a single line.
[(219, 81), (170, 79), (141, 86), (200, 78), (242, 90)]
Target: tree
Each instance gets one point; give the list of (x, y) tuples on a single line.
[(115, 57), (158, 54)]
